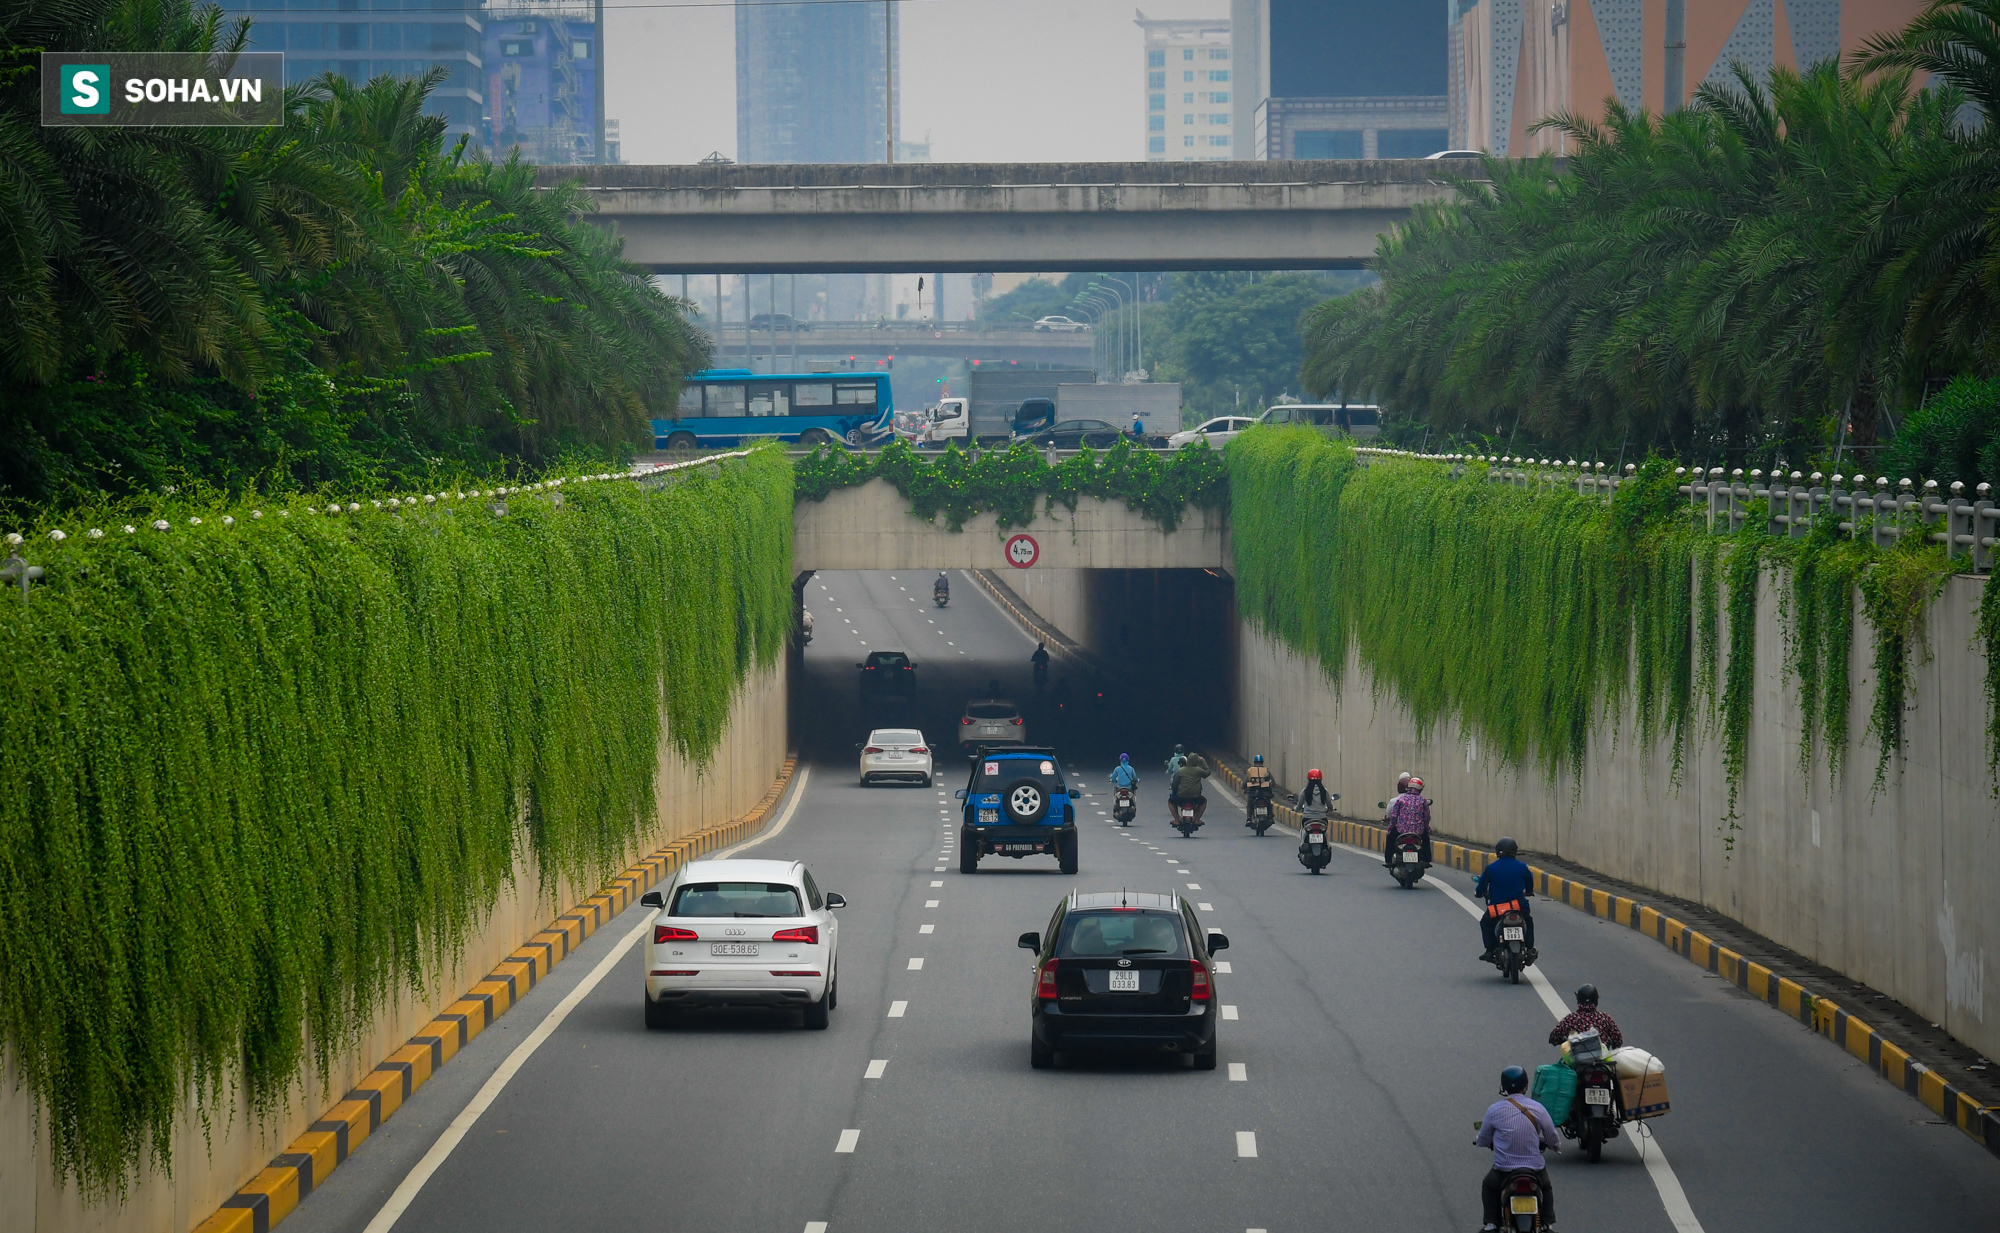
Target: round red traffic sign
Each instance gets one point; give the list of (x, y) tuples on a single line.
[(1023, 551)]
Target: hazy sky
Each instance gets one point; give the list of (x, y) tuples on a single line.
[(990, 80)]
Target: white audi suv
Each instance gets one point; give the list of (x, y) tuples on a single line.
[(742, 933)]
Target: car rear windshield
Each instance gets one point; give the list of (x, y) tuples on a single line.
[(991, 710), (897, 736), (1117, 932), (890, 659), (735, 899)]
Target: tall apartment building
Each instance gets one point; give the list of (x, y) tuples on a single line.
[(1189, 112), (541, 69), (1339, 78), (812, 80), (1514, 62), (401, 40)]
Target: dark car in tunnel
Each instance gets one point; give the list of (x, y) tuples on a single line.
[(1124, 970), (888, 674)]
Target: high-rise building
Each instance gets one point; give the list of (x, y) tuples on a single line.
[(541, 66), (813, 79), (1188, 91), (1339, 78), (1514, 62), (347, 38)]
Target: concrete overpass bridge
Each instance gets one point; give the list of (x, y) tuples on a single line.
[(987, 217), (951, 339)]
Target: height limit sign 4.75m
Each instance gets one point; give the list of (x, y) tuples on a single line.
[(1023, 551)]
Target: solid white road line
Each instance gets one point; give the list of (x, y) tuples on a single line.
[(875, 1068), (916, 965), (1246, 1144), (848, 1138), (1672, 1197), (413, 1182), (1239, 1073), (896, 1009)]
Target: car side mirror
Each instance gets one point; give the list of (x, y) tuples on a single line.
[(1030, 941), (652, 899), (834, 899), (960, 794), (1333, 796), (860, 665), (1381, 804), (1217, 941)]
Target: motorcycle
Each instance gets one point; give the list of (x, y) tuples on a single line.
[(806, 630), (1521, 1201), (940, 598), (1261, 815), (1041, 673), (1315, 853), (1122, 808), (1595, 1114), (1187, 817), (1406, 860), (1512, 953)]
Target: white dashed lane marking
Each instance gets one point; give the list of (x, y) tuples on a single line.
[(937, 884), (1246, 1143), (896, 1009), (930, 903), (928, 929), (1238, 1072), (917, 965), (1222, 967), (877, 1065), (1229, 1012), (848, 1138), (1194, 886), (1205, 907)]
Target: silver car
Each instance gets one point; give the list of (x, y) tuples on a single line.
[(898, 754), (991, 721)]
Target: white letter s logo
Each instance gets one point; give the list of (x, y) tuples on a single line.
[(83, 89)]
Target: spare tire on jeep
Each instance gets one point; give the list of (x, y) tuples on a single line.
[(1026, 801)]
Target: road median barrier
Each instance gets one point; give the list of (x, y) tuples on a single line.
[(283, 1184), (1823, 1015)]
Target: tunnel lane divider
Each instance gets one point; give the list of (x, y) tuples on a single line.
[(1823, 1015), (283, 1184)]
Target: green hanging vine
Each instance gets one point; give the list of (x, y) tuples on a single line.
[(269, 764), (1011, 482)]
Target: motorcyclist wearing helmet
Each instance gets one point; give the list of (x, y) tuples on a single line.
[(1174, 763), (1587, 1018), (1519, 1130), (1257, 787), (1506, 880), (1315, 801), (1124, 775), (1409, 814), (942, 586), (1187, 784)]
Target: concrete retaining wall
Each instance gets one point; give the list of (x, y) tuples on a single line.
[(690, 799), (1895, 889), (870, 527)]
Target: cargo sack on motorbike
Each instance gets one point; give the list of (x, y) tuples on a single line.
[(1555, 1090), (1497, 910), (1642, 1083)]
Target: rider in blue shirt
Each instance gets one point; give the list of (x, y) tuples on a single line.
[(1506, 879), (1123, 775)]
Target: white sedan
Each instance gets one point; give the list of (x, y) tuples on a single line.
[(742, 933), (900, 754), (1060, 325), (1218, 432)]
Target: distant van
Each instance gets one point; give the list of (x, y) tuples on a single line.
[(1351, 419)]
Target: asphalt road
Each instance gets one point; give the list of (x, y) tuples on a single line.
[(1366, 1040)]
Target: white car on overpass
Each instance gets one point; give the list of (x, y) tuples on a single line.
[(1060, 325), (1218, 432), (742, 933), (899, 754)]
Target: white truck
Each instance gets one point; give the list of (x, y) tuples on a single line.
[(1155, 404)]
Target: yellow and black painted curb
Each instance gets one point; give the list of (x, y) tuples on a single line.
[(290, 1177), (1981, 1122)]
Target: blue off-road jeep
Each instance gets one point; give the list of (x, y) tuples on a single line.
[(1017, 803)]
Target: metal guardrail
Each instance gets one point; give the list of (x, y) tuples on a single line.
[(1882, 513)]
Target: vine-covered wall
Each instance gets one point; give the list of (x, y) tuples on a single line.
[(269, 765)]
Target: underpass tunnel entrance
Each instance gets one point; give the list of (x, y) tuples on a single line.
[(1145, 659)]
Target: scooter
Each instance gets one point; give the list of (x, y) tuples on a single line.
[(1187, 817), (940, 598), (1261, 815), (1595, 1114), (1041, 673), (1406, 860), (1510, 931), (806, 630), (1315, 852), (1521, 1201), (1123, 810)]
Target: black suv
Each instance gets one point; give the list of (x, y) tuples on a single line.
[(888, 674), (1123, 970), (1017, 803)]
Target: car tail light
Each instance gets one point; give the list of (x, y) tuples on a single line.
[(1016, 721), (868, 667), (873, 749), (918, 749), (809, 935), (1200, 993), (967, 721), (1045, 984), (795, 973), (667, 933), (675, 972)]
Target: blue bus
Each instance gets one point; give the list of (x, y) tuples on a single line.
[(731, 406)]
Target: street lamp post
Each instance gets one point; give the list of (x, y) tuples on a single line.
[(1118, 308), (1104, 306), (1138, 326)]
